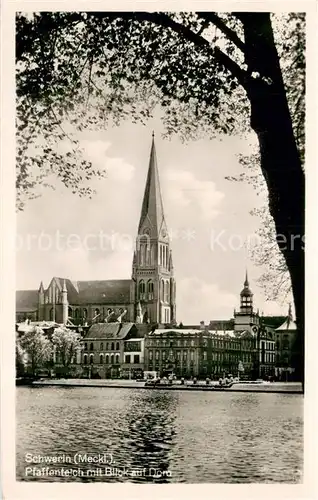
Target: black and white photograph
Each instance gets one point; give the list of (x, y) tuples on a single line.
[(159, 244)]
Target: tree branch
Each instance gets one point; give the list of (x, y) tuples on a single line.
[(165, 21), (219, 23)]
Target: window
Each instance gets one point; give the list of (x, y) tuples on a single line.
[(85, 346), (136, 358), (107, 346), (101, 359), (166, 291), (205, 356), (150, 355), (162, 286), (117, 359), (192, 356), (192, 343), (85, 359), (150, 290), (112, 359), (84, 313), (96, 313), (91, 347), (51, 314), (112, 346), (106, 359), (117, 346), (91, 358), (184, 355), (76, 314), (178, 355), (157, 355), (101, 346), (142, 255), (141, 290), (163, 355), (127, 358)]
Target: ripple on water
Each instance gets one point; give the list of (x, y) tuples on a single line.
[(197, 437)]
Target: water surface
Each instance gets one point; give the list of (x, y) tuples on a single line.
[(164, 436)]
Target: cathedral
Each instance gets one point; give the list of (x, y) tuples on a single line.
[(148, 297)]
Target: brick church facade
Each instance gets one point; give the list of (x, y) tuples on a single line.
[(148, 297)]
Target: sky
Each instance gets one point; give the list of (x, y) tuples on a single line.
[(60, 234)]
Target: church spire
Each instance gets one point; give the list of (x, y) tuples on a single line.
[(152, 207), (246, 283)]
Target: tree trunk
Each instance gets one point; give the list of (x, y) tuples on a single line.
[(280, 162)]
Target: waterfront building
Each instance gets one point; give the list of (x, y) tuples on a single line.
[(149, 296), (199, 352), (113, 350)]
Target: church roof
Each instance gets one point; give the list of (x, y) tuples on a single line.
[(152, 206), (96, 291), (26, 300)]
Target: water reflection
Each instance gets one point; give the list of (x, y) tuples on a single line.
[(149, 435), (173, 436)]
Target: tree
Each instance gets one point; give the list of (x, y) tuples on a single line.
[(37, 347), (206, 69), (67, 344)]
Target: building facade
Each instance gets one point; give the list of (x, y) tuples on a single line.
[(200, 353), (148, 297), (113, 350)]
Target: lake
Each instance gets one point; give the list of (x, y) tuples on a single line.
[(113, 435)]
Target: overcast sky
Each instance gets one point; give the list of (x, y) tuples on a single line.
[(63, 235)]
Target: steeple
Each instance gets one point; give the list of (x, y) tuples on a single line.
[(152, 215), (153, 288), (246, 283)]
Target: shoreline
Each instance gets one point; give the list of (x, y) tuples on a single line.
[(275, 387)]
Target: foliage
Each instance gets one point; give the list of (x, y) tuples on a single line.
[(37, 347), (66, 343)]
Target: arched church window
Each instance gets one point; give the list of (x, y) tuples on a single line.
[(142, 290), (91, 358), (91, 347), (70, 312), (162, 286), (150, 290), (85, 359), (101, 358), (76, 314), (117, 346), (51, 314), (166, 294), (152, 254), (84, 313)]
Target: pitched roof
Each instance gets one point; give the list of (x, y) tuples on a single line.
[(152, 206), (273, 321), (104, 292), (109, 331), (96, 291), (288, 324), (26, 300)]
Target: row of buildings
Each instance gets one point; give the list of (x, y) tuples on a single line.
[(129, 326)]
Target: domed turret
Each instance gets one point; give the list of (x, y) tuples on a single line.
[(246, 297)]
